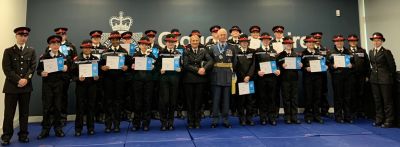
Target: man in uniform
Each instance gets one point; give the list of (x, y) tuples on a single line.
[(19, 63)]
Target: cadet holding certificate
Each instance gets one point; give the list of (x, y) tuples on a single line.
[(52, 88), (114, 80), (142, 69)]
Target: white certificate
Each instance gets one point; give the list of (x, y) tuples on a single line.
[(315, 65), (268, 67), (292, 62), (113, 62), (246, 88), (278, 46), (168, 64), (142, 63), (85, 70), (340, 61), (53, 65)]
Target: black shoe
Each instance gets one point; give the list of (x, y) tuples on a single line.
[(214, 125), (387, 125), (190, 126), (59, 133), (288, 122), (107, 130), (91, 132), (171, 127), (339, 120), (5, 142), (273, 122), (23, 139), (263, 122), (117, 130), (350, 121), (145, 128), (250, 122), (242, 122), (44, 134), (163, 128), (308, 121), (135, 128), (377, 124), (296, 121), (197, 126), (227, 125), (319, 120), (78, 133)]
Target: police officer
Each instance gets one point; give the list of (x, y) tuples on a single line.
[(85, 90), (382, 74), (266, 83), (342, 82), (144, 86), (128, 95), (254, 38), (289, 82), (324, 104), (114, 82), (235, 32), (197, 33), (224, 57), (52, 88), (213, 30), (169, 83), (19, 63), (196, 62), (97, 50), (312, 82), (69, 53), (245, 73), (361, 69)]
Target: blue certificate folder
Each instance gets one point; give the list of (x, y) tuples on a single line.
[(132, 49), (64, 50), (273, 66), (121, 62), (180, 51), (155, 52), (347, 60), (251, 87), (60, 63), (298, 62), (323, 65), (95, 69), (176, 63)]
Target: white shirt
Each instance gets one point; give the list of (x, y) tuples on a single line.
[(52, 54), (265, 48), (19, 46), (312, 52), (243, 49), (96, 45), (115, 48), (254, 43), (86, 56)]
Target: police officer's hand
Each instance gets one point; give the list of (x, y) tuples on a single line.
[(301, 65), (133, 66), (246, 79), (81, 78), (65, 68), (201, 71), (261, 73), (162, 71), (105, 68), (22, 82), (284, 65), (96, 78), (124, 68), (44, 74), (178, 70), (334, 66), (308, 69), (277, 72), (350, 65), (327, 67)]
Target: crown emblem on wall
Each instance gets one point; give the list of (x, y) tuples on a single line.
[(121, 23)]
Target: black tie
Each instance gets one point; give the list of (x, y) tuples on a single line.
[(20, 48), (195, 51), (223, 46)]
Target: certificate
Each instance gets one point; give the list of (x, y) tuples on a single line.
[(53, 65), (278, 46), (170, 64), (317, 65), (143, 63), (130, 48), (246, 88), (64, 50), (341, 61), (115, 62), (268, 67), (89, 70), (292, 62), (155, 51)]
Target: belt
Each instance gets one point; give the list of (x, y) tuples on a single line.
[(224, 65)]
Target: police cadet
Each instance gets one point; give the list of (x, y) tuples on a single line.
[(311, 82), (254, 37), (52, 89), (361, 69), (177, 34), (289, 82), (278, 39), (19, 63), (324, 104), (341, 81), (169, 83), (127, 95), (245, 70), (85, 90), (213, 30), (180, 103), (113, 82), (196, 63), (278, 33), (224, 58), (235, 32), (266, 83), (97, 50), (69, 53), (381, 79), (144, 86)]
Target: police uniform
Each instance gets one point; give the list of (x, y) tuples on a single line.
[(97, 50), (113, 85), (266, 85), (144, 89), (234, 41), (245, 67), (128, 95), (69, 54), (255, 42), (224, 58), (342, 78), (169, 86), (324, 104), (312, 82), (289, 84), (207, 105), (19, 62), (361, 69), (381, 78), (85, 91), (195, 32), (52, 92), (194, 83), (278, 92), (234, 105), (213, 41)]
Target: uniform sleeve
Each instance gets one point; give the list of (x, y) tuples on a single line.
[(7, 68), (32, 67), (209, 60), (390, 61), (40, 68), (188, 66)]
